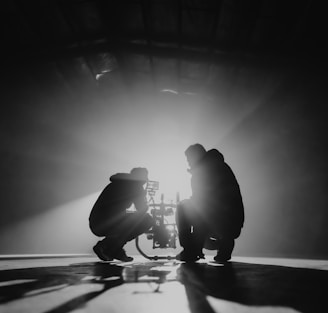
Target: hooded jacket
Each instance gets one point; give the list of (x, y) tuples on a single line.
[(216, 192), (122, 191)]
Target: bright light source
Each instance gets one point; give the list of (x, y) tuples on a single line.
[(170, 228), (170, 171)]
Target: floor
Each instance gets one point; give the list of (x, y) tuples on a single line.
[(84, 284)]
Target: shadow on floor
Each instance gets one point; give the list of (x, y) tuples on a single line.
[(244, 283), (255, 285), (16, 284), (29, 282)]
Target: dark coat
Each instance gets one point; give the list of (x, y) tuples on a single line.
[(216, 192), (116, 197)]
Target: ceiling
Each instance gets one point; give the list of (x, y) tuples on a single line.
[(171, 44)]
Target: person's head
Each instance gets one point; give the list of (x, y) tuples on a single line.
[(139, 174), (194, 154)]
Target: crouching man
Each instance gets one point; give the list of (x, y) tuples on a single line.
[(110, 219)]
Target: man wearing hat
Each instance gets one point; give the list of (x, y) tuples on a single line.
[(109, 217)]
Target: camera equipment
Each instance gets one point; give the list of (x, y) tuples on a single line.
[(163, 233)]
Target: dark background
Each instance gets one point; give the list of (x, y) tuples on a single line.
[(91, 88)]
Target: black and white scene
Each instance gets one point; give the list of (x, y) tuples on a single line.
[(164, 156)]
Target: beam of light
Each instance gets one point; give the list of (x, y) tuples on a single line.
[(16, 282), (59, 231), (63, 229)]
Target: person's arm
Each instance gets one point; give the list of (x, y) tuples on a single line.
[(140, 202)]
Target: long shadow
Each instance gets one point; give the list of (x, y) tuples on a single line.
[(304, 290), (28, 282), (248, 284), (25, 282)]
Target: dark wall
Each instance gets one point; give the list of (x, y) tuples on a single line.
[(283, 144)]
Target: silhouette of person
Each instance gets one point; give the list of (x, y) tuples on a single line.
[(109, 217), (214, 215)]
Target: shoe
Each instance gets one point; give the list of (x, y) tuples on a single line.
[(185, 256), (101, 253), (121, 255), (201, 255), (219, 258)]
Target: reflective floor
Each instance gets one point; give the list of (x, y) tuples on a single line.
[(83, 284)]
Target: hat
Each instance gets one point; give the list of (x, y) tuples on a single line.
[(139, 174)]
